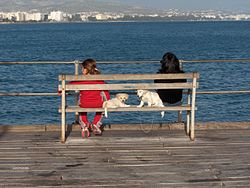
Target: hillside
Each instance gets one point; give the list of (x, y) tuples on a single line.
[(69, 6)]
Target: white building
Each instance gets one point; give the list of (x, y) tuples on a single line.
[(102, 16), (9, 15), (56, 16), (25, 16), (38, 16), (1, 15), (84, 18), (20, 16), (33, 17)]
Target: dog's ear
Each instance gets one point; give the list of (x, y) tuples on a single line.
[(117, 96), (126, 96), (139, 92)]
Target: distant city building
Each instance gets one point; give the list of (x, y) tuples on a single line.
[(238, 17), (84, 18), (9, 16), (20, 17), (56, 16), (34, 17), (103, 16)]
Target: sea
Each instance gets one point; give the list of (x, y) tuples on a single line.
[(123, 41)]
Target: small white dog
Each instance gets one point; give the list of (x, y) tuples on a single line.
[(118, 101), (151, 98)]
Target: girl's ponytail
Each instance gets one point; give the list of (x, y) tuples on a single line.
[(90, 65)]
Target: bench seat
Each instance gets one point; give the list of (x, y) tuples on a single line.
[(128, 109)]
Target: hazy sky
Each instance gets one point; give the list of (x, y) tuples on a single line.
[(231, 5)]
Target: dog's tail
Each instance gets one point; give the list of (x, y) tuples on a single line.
[(162, 114), (104, 105), (106, 112)]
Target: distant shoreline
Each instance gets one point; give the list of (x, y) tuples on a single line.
[(128, 21)]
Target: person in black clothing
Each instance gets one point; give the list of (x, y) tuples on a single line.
[(170, 64)]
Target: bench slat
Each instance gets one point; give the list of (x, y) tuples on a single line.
[(129, 76), (131, 86), (127, 109)]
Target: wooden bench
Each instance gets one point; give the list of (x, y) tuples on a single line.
[(132, 82)]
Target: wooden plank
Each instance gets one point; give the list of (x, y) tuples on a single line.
[(127, 109), (129, 76), (169, 126), (128, 86), (131, 86), (208, 126)]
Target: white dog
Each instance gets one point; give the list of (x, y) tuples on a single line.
[(118, 101), (151, 98)]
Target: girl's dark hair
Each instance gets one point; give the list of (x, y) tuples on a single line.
[(170, 63), (90, 65)]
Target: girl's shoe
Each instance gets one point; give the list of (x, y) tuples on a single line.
[(85, 128), (90, 127), (97, 130), (85, 132)]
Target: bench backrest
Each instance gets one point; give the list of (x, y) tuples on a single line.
[(141, 83)]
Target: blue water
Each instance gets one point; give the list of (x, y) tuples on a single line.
[(123, 41)]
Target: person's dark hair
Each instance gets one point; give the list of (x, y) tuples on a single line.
[(90, 65), (169, 63)]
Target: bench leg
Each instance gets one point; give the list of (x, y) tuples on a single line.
[(192, 136), (179, 116), (63, 128), (63, 115), (188, 114), (77, 103), (188, 123), (76, 118), (77, 93)]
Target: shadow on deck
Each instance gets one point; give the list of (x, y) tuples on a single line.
[(126, 158)]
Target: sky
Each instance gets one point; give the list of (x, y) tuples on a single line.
[(225, 5)]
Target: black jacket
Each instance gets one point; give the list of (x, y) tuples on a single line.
[(170, 96)]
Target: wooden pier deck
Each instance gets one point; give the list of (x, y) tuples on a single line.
[(126, 158)]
